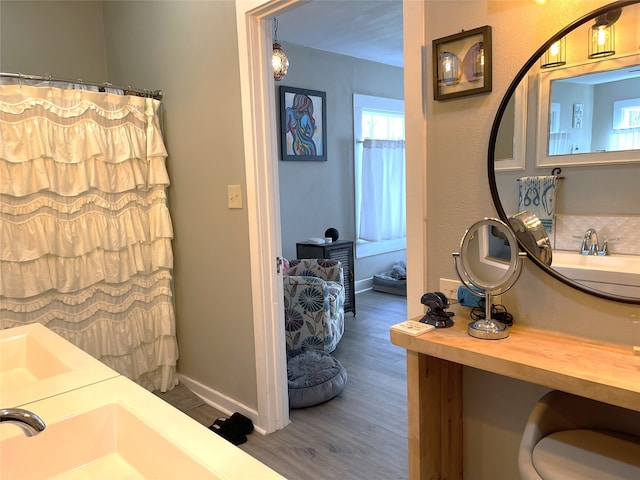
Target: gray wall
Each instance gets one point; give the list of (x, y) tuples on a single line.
[(64, 39), (175, 46), (457, 132), (171, 46), (317, 195)]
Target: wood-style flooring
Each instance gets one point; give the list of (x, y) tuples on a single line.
[(361, 433)]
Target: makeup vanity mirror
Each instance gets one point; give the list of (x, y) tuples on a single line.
[(540, 104), (488, 261)]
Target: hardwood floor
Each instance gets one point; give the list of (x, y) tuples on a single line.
[(361, 433)]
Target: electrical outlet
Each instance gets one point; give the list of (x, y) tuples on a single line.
[(450, 288)]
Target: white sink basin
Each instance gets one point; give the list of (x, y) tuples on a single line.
[(36, 363), (116, 429), (618, 274)]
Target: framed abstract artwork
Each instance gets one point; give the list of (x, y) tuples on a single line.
[(462, 64), (303, 124)]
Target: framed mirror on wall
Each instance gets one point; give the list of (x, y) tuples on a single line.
[(595, 194), (589, 113)]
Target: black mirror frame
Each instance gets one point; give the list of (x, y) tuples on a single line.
[(494, 134)]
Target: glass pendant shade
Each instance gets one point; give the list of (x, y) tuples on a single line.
[(601, 41), (555, 56), (478, 64), (449, 68), (280, 62)]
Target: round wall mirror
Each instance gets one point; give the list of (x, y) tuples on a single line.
[(488, 261), (547, 123)]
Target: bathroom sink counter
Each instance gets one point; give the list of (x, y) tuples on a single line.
[(117, 429), (37, 363), (603, 371), (100, 424)]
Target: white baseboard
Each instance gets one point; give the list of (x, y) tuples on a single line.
[(363, 285), (219, 401)]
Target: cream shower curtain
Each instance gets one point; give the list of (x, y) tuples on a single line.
[(85, 232)]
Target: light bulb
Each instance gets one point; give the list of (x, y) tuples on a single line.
[(449, 68), (601, 36)]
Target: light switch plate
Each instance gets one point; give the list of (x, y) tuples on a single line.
[(234, 196)]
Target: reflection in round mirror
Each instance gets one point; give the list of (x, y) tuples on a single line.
[(488, 261), (599, 191), (531, 232)]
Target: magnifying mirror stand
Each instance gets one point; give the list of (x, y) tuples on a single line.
[(488, 328), (489, 262)]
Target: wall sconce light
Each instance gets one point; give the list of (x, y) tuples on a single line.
[(602, 41), (602, 35), (555, 56), (279, 60), (449, 68)]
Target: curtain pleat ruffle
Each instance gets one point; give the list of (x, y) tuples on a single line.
[(25, 238), (85, 232), (26, 279), (70, 179), (91, 199)]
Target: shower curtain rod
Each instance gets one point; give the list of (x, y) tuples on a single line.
[(155, 94)]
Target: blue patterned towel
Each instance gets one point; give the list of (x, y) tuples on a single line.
[(538, 196)]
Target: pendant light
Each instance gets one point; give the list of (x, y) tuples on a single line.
[(279, 60)]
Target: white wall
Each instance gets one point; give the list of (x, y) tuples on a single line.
[(317, 195), (457, 135)]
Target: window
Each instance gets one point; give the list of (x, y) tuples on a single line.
[(626, 125), (379, 175)]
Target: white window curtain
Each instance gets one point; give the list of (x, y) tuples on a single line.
[(625, 139), (559, 143), (85, 232), (381, 210)]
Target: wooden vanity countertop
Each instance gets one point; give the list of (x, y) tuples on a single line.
[(603, 371)]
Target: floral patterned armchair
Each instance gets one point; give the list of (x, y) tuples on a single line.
[(314, 304)]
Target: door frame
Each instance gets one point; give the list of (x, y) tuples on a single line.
[(253, 18)]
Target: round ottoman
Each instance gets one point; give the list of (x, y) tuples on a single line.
[(314, 377)]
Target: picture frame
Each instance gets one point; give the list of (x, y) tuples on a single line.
[(303, 124), (462, 64)]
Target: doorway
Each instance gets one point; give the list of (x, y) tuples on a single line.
[(260, 134)]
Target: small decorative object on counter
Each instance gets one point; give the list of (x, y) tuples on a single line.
[(332, 233)]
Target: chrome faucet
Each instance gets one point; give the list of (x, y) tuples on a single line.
[(30, 423), (590, 245)]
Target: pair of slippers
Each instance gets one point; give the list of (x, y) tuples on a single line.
[(233, 429)]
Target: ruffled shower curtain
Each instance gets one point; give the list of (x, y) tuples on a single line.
[(85, 232)]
